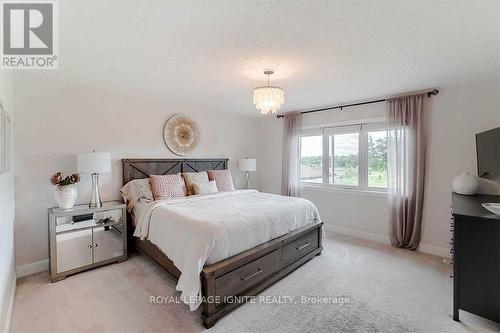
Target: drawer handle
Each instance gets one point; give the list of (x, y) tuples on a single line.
[(259, 270), (303, 246)]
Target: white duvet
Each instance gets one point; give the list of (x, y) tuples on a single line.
[(198, 230)]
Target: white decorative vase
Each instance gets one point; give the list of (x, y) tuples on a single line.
[(465, 184), (66, 196)]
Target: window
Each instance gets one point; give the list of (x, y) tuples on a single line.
[(377, 159), (344, 159), (311, 155), (345, 156)]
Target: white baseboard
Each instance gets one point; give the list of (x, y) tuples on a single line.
[(10, 308), (424, 248), (33, 268), (357, 233), (434, 250)]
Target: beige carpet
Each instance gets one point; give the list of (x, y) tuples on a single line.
[(390, 290)]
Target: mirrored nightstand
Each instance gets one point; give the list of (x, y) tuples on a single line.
[(82, 238)]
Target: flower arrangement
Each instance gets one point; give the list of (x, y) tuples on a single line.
[(58, 179)]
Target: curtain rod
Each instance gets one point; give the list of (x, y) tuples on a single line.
[(429, 93)]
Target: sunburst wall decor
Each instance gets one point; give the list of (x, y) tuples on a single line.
[(181, 134)]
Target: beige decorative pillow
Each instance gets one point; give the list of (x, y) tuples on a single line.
[(205, 188), (194, 177)]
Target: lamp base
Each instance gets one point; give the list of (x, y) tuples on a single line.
[(248, 180), (95, 197)]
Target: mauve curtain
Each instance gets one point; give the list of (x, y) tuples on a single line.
[(406, 154), (290, 181)]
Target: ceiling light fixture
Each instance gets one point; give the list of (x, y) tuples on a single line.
[(268, 99)]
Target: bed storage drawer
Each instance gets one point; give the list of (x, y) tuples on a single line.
[(246, 276), (299, 247)]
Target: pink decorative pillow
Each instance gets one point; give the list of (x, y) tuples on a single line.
[(167, 186), (222, 178)]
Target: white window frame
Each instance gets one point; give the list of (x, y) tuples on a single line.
[(314, 132), (362, 130), (373, 128)]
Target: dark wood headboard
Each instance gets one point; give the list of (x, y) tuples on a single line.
[(138, 168)]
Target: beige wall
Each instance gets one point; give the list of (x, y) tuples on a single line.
[(56, 120), (458, 112), (7, 267)]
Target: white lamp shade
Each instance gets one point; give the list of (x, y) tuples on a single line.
[(247, 164), (94, 162)]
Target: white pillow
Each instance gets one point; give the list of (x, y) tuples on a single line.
[(135, 191), (205, 187)]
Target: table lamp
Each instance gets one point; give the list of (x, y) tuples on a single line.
[(247, 165), (94, 164)]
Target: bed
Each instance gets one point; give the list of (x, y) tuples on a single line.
[(242, 266)]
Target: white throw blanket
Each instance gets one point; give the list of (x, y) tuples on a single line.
[(197, 230)]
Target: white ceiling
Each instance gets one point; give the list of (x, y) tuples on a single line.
[(211, 54)]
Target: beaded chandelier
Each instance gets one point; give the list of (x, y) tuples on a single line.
[(268, 99)]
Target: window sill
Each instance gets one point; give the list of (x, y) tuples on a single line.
[(345, 190)]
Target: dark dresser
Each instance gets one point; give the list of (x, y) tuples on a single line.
[(476, 256)]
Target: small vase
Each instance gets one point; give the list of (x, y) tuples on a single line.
[(65, 196), (465, 184)]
